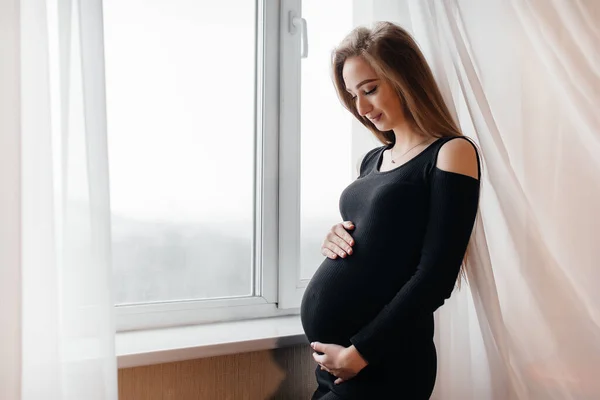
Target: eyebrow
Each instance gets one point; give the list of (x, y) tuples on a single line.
[(365, 82)]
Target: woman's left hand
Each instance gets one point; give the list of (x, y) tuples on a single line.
[(342, 362)]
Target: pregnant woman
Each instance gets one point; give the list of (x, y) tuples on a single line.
[(408, 218)]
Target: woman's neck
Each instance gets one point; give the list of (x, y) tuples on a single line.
[(406, 137)]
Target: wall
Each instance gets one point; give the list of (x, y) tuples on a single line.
[(286, 373)]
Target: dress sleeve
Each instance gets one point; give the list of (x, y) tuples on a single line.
[(453, 208)]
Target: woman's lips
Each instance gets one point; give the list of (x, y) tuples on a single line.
[(377, 118)]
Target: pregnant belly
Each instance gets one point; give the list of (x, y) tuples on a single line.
[(341, 298)]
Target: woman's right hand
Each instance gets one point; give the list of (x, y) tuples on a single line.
[(338, 242)]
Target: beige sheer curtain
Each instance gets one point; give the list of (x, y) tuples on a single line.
[(523, 79), (56, 308)]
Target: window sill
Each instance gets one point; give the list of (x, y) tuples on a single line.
[(148, 347)]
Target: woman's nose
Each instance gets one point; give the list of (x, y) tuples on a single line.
[(363, 106)]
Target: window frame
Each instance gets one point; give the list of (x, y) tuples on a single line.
[(291, 284), (276, 285)]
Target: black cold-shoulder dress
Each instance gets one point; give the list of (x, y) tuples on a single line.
[(412, 227)]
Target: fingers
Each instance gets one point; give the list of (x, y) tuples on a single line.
[(333, 248), (348, 225), (327, 360), (332, 372), (339, 230), (341, 243), (328, 253), (319, 358), (320, 347), (338, 242), (324, 368)]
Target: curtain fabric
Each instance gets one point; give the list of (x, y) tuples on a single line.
[(523, 80), (57, 336)]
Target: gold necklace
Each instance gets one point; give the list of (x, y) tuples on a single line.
[(395, 158)]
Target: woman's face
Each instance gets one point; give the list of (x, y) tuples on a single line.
[(374, 98)]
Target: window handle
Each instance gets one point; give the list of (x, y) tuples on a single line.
[(296, 22)]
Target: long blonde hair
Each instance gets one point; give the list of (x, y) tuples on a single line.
[(395, 57)]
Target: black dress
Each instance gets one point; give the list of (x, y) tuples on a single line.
[(412, 227)]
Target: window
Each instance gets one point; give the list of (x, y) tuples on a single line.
[(180, 104), (216, 215)]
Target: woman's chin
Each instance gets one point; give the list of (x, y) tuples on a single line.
[(382, 127)]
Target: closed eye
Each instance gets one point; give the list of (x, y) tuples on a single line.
[(371, 91)]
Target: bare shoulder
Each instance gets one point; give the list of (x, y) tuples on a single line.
[(458, 156)]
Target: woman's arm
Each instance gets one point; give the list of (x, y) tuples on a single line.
[(453, 207)]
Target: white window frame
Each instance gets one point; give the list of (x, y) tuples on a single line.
[(291, 285), (277, 286)]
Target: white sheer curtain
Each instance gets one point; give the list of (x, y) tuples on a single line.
[(523, 78), (57, 335)]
